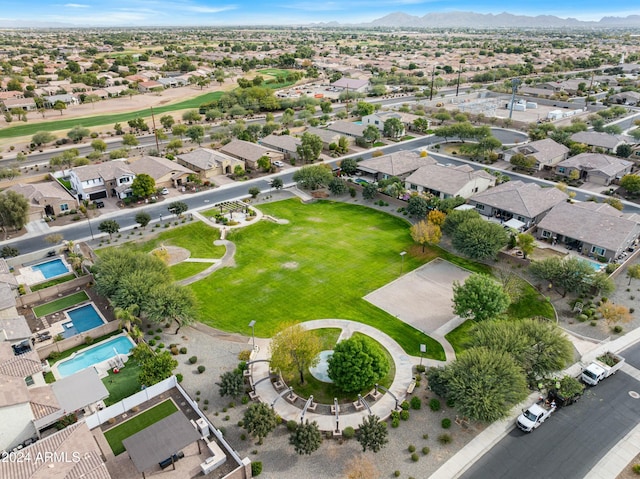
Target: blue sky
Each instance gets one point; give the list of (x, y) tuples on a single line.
[(257, 12)]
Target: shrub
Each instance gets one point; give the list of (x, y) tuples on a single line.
[(434, 405), (421, 368), (425, 450), (244, 355), (152, 342), (88, 340), (404, 415), (396, 473), (158, 330), (405, 405), (243, 437), (161, 345), (183, 350), (174, 351), (415, 457), (193, 359), (256, 468), (636, 468), (244, 400), (54, 355), (446, 423), (411, 448), (395, 422), (445, 438), (179, 377), (416, 402), (617, 329), (201, 369), (292, 425), (157, 337), (425, 436), (348, 432), (450, 403)]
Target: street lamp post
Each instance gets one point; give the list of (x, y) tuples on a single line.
[(402, 253), (423, 349), (252, 325)]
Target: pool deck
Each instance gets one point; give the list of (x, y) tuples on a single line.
[(29, 276)]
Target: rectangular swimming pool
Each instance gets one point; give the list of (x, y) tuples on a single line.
[(51, 269), (83, 319), (95, 354)]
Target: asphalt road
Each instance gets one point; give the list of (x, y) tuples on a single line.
[(572, 440)]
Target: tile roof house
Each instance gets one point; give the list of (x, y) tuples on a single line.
[(446, 182), (45, 199), (164, 171), (595, 167), (27, 104), (526, 202), (400, 164), (92, 182), (595, 139), (353, 84), (286, 144), (595, 229), (209, 163), (347, 128), (377, 119), (326, 136), (250, 153), (547, 153)]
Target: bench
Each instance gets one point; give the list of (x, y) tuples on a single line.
[(412, 386)]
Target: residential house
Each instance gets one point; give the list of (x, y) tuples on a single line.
[(149, 85), (594, 229), (327, 136), (250, 153), (378, 118), (347, 129), (547, 153), (209, 163), (27, 104), (45, 199), (598, 140), (447, 182), (164, 171), (351, 84), (286, 144), (630, 98), (526, 202), (595, 168), (67, 99), (399, 164), (92, 182)]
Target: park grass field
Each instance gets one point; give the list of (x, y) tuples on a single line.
[(60, 304), (117, 434), (320, 265), (29, 129)]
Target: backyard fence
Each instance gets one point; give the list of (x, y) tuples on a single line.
[(77, 340), (26, 300)]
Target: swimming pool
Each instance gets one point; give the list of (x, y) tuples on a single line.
[(95, 354), (82, 319), (51, 269), (597, 267)]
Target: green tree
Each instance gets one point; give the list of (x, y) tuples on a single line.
[(615, 203), (456, 218), (231, 383), (177, 208), (179, 130), (425, 232), (357, 363), (254, 191), (418, 206), (482, 383), (42, 137), (364, 108), (442, 116), (77, 133), (14, 211), (526, 243), (171, 302), (99, 145), (337, 186), (540, 347), (174, 145), (127, 317), (109, 226), (393, 128), (306, 438), (624, 150), (264, 162), (143, 185), (294, 350), (191, 116), (277, 183), (570, 275), (631, 183), (371, 134), (313, 177), (143, 218), (349, 166), (479, 239), (479, 298), (523, 162), (633, 272), (130, 140), (167, 121), (309, 148), (154, 367), (60, 106), (118, 129), (372, 433), (195, 133), (259, 420), (369, 191)]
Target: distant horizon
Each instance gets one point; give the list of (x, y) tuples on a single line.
[(203, 13)]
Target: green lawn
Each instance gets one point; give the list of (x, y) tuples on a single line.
[(325, 392), (53, 282), (123, 384), (458, 337), (185, 270), (197, 237), (274, 72), (117, 434), (60, 304), (87, 122), (320, 265)]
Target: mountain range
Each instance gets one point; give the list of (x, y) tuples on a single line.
[(502, 20)]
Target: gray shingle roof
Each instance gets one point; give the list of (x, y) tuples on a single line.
[(246, 150), (398, 163), (157, 167), (347, 128), (593, 223), (282, 142), (446, 179), (542, 150), (205, 158), (606, 164), (596, 138)]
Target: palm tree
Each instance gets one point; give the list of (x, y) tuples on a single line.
[(128, 317), (136, 334)]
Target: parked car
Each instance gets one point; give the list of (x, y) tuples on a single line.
[(98, 203), (164, 191), (278, 163)]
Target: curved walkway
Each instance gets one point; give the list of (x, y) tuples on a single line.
[(381, 408)]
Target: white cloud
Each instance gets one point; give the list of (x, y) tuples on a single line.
[(75, 5)]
